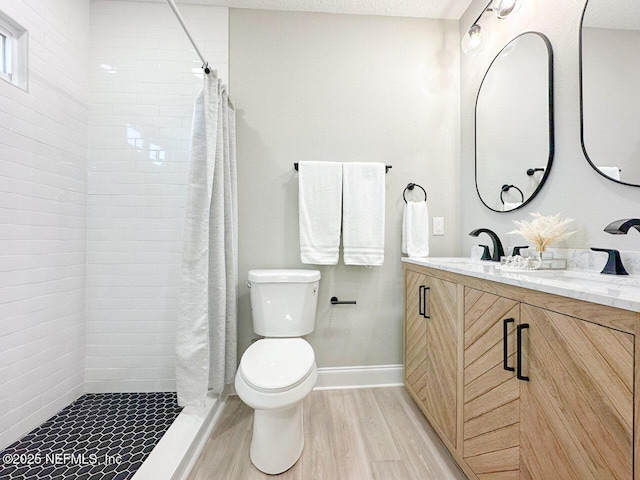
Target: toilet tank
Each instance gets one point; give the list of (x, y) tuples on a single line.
[(283, 302)]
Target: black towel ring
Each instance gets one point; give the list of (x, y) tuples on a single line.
[(506, 188), (410, 187)]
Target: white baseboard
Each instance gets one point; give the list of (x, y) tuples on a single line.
[(177, 451), (333, 378), (371, 376)]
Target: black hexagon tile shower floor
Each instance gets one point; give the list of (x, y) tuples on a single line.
[(102, 436)]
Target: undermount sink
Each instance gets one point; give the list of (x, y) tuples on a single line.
[(581, 276), (471, 264), (464, 261)]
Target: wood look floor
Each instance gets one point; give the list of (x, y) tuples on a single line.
[(376, 433)]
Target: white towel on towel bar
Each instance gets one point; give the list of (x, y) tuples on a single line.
[(508, 206), (611, 172), (363, 210), (415, 229), (320, 205)]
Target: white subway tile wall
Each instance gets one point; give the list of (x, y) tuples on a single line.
[(144, 77), (43, 186)]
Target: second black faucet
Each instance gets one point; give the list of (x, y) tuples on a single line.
[(498, 250)]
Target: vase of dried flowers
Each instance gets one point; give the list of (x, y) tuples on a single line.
[(543, 230)]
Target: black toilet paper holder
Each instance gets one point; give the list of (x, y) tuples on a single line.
[(335, 301)]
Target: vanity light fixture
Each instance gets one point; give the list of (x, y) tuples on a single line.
[(505, 8), (475, 39)]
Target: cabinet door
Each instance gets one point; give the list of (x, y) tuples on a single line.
[(440, 392), (577, 407), (491, 392), (415, 346)]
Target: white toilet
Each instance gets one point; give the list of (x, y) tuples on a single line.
[(277, 372)]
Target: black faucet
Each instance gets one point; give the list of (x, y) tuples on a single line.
[(486, 254), (614, 264), (498, 251), (620, 227), (516, 250)]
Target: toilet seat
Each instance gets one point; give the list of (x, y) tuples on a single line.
[(273, 365)]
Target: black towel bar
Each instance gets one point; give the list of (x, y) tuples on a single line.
[(386, 167)]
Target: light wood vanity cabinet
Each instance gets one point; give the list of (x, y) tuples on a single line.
[(491, 408), (415, 333), (431, 349), (574, 416), (576, 412)]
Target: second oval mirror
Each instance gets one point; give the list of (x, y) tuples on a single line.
[(610, 74), (514, 124)]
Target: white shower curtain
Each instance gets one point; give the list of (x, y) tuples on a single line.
[(206, 325)]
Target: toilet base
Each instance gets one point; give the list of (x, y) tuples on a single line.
[(278, 439)]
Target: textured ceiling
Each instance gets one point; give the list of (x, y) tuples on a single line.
[(449, 9), (619, 14)]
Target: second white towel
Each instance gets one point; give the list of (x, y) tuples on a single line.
[(363, 211), (611, 172), (415, 230), (508, 206)]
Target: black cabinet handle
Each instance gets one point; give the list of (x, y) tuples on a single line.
[(505, 344), (424, 306), (519, 329), (420, 300)]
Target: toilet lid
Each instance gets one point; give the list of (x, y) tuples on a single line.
[(277, 363)]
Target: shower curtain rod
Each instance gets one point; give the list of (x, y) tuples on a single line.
[(174, 7)]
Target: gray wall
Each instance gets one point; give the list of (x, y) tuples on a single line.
[(573, 188), (343, 88)]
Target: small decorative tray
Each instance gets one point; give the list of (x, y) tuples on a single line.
[(519, 263)]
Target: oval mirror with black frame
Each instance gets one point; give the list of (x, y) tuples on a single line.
[(514, 124), (609, 93)]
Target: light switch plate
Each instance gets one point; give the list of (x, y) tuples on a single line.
[(438, 226)]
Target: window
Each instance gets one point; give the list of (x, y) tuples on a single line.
[(13, 52), (5, 54)]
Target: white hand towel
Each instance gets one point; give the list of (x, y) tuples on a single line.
[(508, 206), (611, 172), (403, 241), (415, 230), (363, 205), (320, 211)]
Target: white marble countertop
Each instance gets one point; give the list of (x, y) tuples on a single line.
[(611, 290)]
